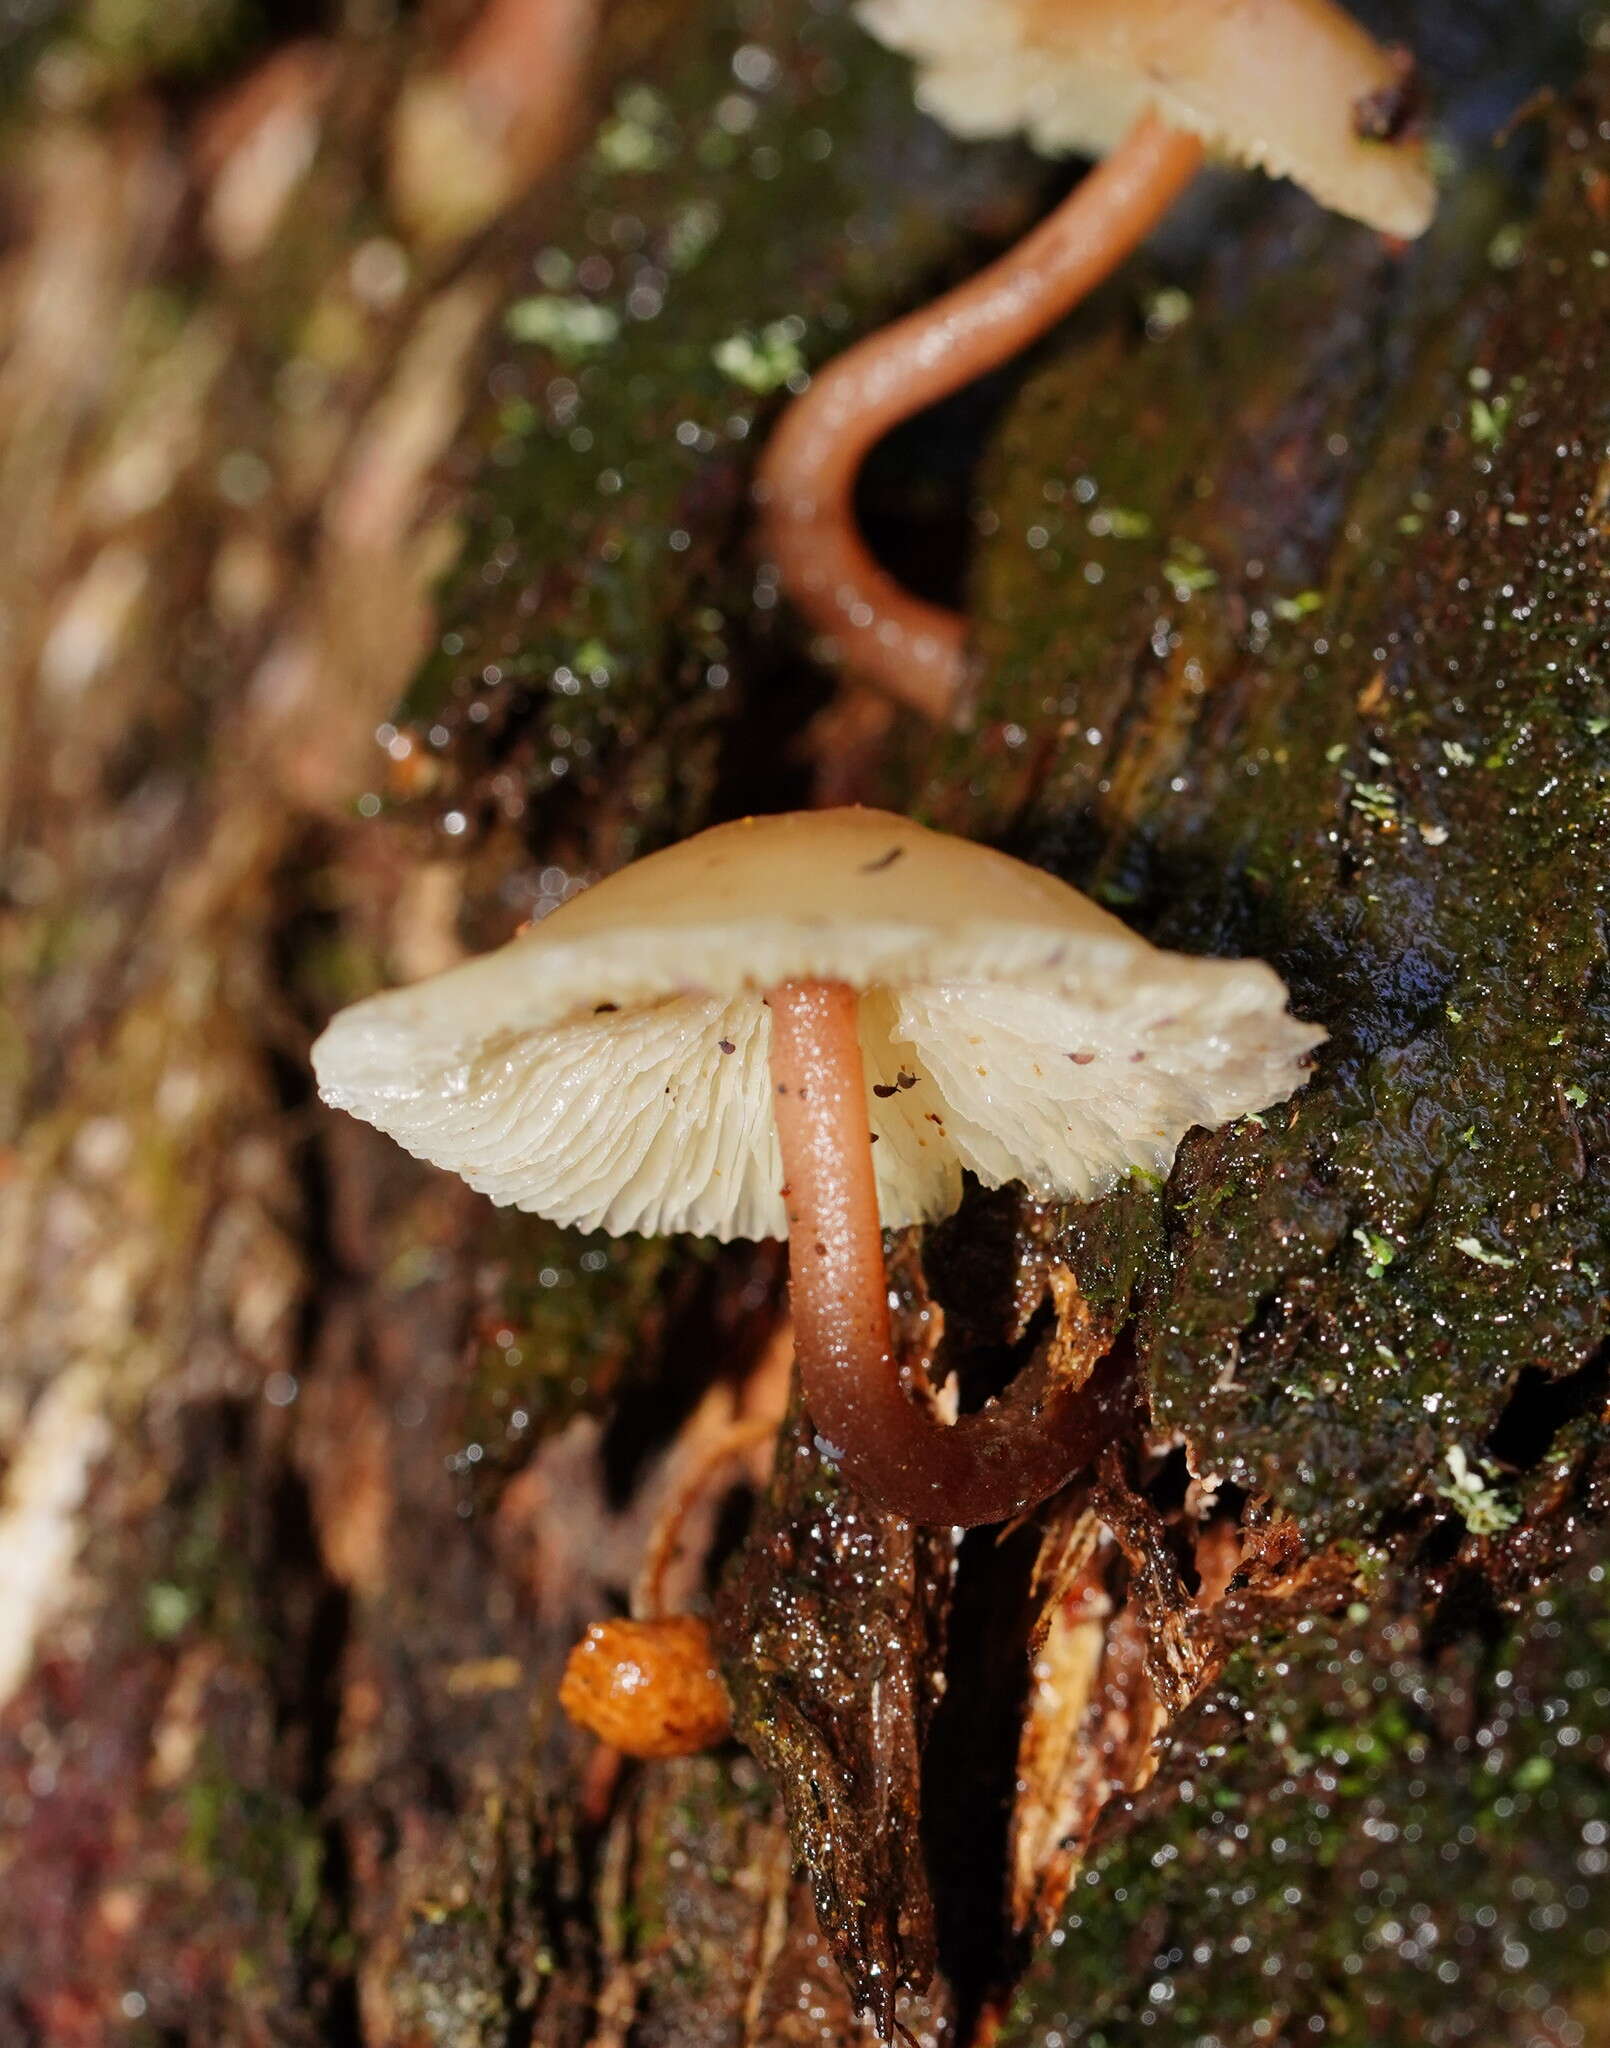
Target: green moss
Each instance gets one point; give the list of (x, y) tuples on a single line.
[(261, 1845), (450, 1989), (1393, 795), (573, 1312), (136, 39), (745, 211), (702, 1839), (1364, 1839), (25, 27)]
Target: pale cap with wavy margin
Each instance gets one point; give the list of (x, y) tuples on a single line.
[(1284, 85), (609, 1067)]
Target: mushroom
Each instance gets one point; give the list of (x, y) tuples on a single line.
[(810, 1026), (1294, 86)]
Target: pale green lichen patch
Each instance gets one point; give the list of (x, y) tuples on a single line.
[(574, 328), (762, 362), (1470, 1488), (1380, 1251), (639, 135), (1473, 1248)]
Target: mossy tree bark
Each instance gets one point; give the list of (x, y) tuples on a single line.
[(1292, 613)]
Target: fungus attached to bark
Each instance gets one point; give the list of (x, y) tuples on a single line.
[(648, 1688), (1295, 87), (808, 1026)]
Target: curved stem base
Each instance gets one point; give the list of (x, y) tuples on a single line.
[(982, 1468), (806, 479)]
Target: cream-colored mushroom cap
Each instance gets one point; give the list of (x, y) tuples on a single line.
[(609, 1067), (1285, 85)]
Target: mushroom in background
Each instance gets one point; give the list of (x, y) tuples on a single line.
[(1294, 87), (812, 1026)]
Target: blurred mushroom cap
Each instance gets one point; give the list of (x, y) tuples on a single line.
[(1293, 87), (609, 1067)]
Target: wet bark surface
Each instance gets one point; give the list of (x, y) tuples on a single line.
[(377, 574)]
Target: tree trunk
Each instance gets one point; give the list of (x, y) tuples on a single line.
[(377, 407)]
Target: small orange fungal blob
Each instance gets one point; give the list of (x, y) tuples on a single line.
[(648, 1688)]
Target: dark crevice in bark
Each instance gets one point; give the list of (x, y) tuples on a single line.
[(310, 1622), (1544, 1404), (699, 1345), (969, 1766), (1464, 1606), (312, 1613)]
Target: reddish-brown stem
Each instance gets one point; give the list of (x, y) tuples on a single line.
[(806, 477), (985, 1467)]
